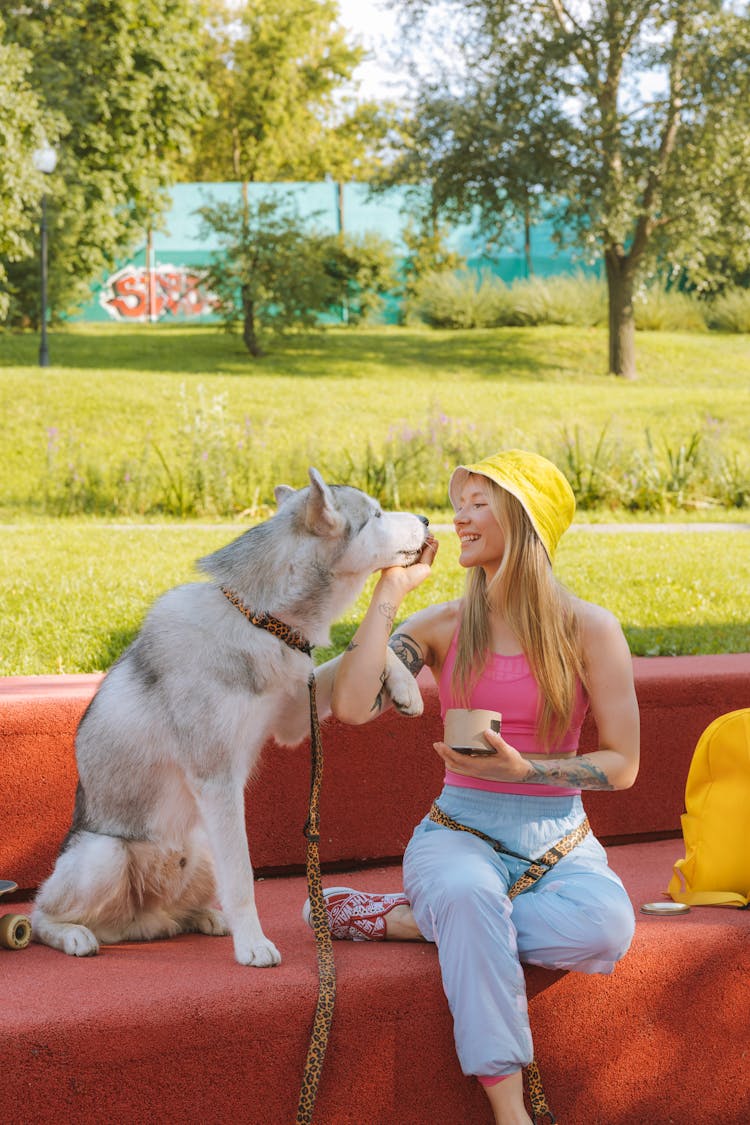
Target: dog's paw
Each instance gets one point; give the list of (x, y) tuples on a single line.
[(211, 922), (402, 687), (262, 953), (78, 941)]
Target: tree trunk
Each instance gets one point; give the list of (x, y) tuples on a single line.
[(236, 154), (620, 285), (527, 241), (249, 334)]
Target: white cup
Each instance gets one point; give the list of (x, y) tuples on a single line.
[(464, 730)]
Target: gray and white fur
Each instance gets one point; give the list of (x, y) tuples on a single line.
[(172, 735)]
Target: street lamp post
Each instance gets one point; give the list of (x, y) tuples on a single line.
[(45, 160)]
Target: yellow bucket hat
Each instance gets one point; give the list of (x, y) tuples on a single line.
[(535, 482)]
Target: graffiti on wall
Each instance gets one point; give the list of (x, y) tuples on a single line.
[(138, 293)]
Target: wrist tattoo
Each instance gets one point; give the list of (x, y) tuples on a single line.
[(388, 611), (574, 774), (378, 704), (408, 651)]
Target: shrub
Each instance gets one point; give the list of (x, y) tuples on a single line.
[(659, 310), (460, 300), (216, 466), (592, 473), (427, 252), (565, 299), (730, 312), (466, 300)]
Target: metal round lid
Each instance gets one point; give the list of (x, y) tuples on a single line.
[(667, 908)]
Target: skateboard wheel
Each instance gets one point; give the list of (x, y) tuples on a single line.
[(15, 931)]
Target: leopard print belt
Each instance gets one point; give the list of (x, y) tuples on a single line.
[(536, 869)]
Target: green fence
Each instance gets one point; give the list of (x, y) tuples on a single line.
[(162, 280)]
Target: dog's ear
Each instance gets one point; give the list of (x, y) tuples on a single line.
[(321, 517), (282, 492)]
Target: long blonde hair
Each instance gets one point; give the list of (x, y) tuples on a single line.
[(538, 609)]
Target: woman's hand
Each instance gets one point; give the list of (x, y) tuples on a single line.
[(598, 770), (506, 765), (398, 581), (357, 694)]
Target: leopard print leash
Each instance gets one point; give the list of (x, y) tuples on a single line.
[(537, 868), (324, 947), (323, 944)]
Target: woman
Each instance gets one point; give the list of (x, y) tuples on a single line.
[(520, 644)]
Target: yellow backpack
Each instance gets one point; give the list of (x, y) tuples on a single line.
[(716, 824)]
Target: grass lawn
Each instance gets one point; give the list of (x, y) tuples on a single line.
[(115, 393), (73, 593)]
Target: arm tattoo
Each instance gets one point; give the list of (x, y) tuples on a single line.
[(351, 646), (575, 773), (408, 651), (378, 704)]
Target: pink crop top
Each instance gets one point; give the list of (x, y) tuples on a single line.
[(507, 685)]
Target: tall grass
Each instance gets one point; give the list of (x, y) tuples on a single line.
[(219, 467)]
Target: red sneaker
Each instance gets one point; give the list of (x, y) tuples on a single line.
[(356, 915)]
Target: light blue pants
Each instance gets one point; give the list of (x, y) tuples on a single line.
[(578, 916)]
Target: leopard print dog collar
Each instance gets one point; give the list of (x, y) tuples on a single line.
[(272, 625)]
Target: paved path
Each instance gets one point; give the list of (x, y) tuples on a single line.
[(638, 527)]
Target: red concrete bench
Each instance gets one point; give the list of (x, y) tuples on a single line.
[(178, 1032)]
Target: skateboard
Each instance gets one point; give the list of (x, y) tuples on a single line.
[(15, 929)]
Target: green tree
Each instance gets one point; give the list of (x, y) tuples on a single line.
[(272, 272), (358, 272), (634, 113), (23, 130), (121, 77), (488, 151), (277, 69), (266, 273)]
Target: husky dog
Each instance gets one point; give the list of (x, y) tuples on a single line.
[(169, 740)]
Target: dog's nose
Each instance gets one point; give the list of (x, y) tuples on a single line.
[(424, 520)]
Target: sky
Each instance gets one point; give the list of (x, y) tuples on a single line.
[(381, 76), (375, 26)]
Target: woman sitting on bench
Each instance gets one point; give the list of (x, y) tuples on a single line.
[(517, 643)]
